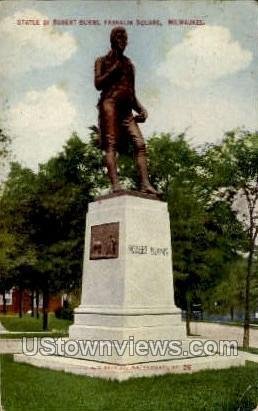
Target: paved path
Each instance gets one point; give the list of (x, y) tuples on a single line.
[(3, 330), (10, 346), (214, 331)]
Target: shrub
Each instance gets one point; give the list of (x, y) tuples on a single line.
[(65, 312)]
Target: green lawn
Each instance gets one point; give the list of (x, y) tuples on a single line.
[(28, 388), (28, 323), (33, 334)]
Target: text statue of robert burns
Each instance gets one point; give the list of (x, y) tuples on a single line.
[(114, 76)]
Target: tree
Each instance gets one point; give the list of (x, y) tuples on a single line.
[(45, 212), (6, 263), (171, 157), (205, 232), (4, 143), (66, 184), (234, 169), (17, 201), (228, 295)]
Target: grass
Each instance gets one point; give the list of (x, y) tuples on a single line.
[(31, 335), (28, 323), (25, 387)]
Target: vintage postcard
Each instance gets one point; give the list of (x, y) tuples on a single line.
[(139, 116)]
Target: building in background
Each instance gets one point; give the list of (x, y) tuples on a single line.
[(13, 302)]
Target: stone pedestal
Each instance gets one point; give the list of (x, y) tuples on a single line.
[(127, 287), (127, 305)]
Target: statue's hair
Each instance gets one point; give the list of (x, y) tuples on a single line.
[(114, 31)]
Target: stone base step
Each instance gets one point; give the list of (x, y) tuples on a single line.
[(124, 372)]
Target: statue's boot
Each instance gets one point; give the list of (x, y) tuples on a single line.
[(112, 171), (145, 186)]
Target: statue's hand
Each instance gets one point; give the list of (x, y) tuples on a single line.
[(141, 117), (117, 66)]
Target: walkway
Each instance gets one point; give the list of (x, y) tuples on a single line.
[(215, 331)]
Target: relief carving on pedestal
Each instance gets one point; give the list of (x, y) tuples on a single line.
[(104, 241)]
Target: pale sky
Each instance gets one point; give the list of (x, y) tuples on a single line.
[(202, 78)]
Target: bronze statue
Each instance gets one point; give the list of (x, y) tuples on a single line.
[(114, 76)]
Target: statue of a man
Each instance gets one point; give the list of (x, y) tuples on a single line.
[(114, 76)]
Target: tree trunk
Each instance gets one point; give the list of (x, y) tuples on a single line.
[(20, 302), (232, 313), (247, 301), (32, 303), (188, 319), (4, 303), (188, 315), (37, 303), (45, 307)]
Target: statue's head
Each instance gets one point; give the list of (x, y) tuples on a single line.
[(118, 38)]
